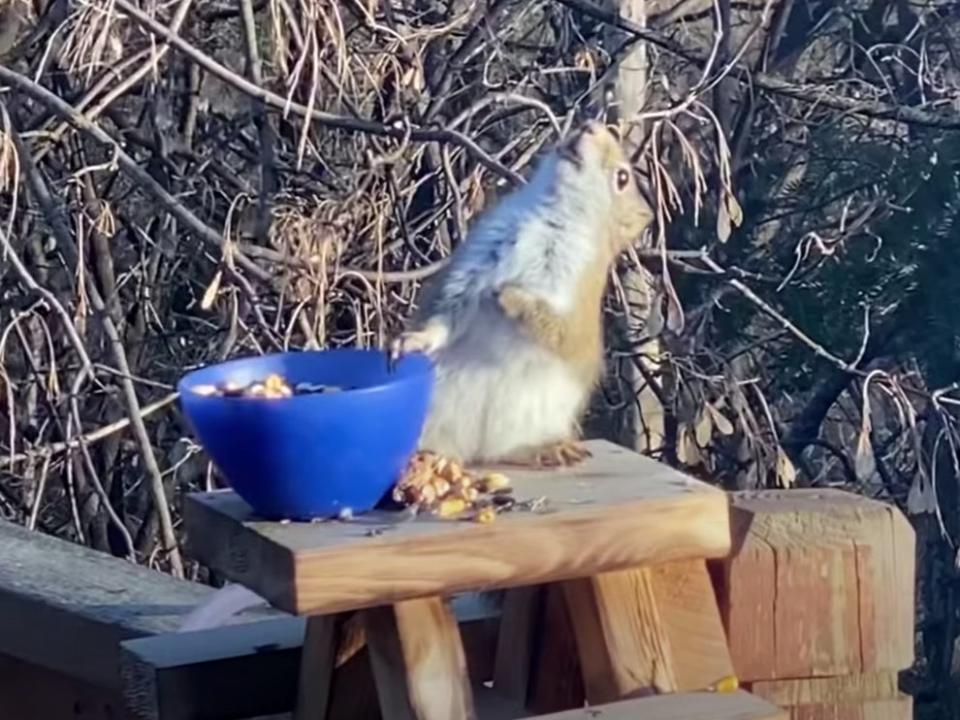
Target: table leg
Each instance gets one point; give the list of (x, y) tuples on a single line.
[(557, 678), (316, 667), (515, 656), (648, 630), (418, 661)]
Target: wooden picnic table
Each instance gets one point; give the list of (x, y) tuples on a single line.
[(622, 538)]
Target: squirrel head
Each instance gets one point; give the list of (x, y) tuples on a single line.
[(594, 162)]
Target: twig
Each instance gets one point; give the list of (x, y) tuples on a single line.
[(127, 163), (324, 118), (42, 195), (130, 81), (116, 345), (267, 174), (91, 437), (817, 96), (817, 348)]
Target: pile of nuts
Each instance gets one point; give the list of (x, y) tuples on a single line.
[(273, 387), (443, 488)]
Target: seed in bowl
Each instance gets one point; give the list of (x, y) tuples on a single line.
[(272, 387)]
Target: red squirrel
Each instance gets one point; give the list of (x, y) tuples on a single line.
[(514, 320)]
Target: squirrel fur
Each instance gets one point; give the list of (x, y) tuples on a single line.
[(513, 321)]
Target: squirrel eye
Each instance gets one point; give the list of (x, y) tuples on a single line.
[(622, 179)]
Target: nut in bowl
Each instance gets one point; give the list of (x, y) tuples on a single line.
[(306, 435)]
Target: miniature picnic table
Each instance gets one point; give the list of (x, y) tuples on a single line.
[(625, 537)]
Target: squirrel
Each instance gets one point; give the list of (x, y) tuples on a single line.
[(513, 321)]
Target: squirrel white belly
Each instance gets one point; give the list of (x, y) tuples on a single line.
[(514, 320)]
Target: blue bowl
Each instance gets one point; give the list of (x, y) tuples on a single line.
[(312, 455)]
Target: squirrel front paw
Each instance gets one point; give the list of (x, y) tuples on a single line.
[(427, 341), (562, 454), (565, 453)]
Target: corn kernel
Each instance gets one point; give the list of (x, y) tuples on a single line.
[(451, 507), (726, 684), (495, 481), (485, 515)]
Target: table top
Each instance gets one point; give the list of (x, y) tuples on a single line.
[(618, 509)]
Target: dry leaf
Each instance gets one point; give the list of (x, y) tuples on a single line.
[(654, 324), (687, 451), (704, 427), (864, 465), (675, 320), (723, 223), (720, 421), (786, 472), (921, 499), (210, 294), (734, 211)]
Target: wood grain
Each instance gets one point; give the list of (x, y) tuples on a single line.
[(648, 630), (418, 661), (820, 583), (617, 510), (840, 689), (682, 706), (871, 696), (900, 708)]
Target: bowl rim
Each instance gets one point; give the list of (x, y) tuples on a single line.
[(184, 381)]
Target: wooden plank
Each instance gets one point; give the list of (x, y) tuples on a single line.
[(418, 661), (682, 706), (617, 510), (94, 599), (647, 630), (231, 671), (820, 583)]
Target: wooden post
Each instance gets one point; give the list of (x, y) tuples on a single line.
[(418, 661), (649, 630), (818, 600)]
